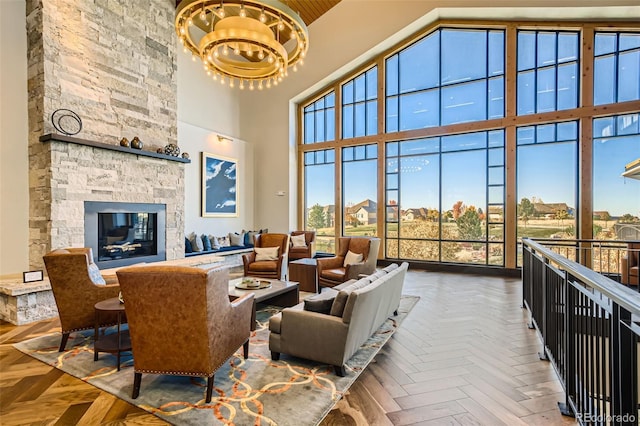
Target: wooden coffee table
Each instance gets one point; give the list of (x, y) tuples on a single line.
[(281, 293)]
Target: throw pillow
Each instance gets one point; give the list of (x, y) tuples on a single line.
[(320, 303), (95, 275), (214, 242), (236, 239), (352, 258), (298, 240), (250, 238), (337, 308), (266, 253), (187, 246), (196, 242), (206, 243), (223, 241)]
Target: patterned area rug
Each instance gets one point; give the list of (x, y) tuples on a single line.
[(259, 391)]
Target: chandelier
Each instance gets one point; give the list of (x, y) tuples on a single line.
[(245, 42)]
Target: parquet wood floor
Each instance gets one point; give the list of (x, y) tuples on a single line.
[(463, 356)]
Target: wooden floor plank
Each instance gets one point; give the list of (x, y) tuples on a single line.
[(463, 356)]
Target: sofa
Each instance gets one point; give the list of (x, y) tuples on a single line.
[(330, 327), (233, 242)]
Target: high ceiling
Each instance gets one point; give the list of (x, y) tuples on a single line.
[(309, 10)]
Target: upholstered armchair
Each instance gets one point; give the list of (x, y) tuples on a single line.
[(299, 251), (77, 286), (269, 257), (629, 265), (356, 256), (181, 321)]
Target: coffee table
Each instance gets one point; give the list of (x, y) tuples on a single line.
[(281, 293)]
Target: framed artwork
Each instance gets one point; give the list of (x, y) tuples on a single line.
[(219, 186)]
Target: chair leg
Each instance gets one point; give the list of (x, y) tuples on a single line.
[(339, 369), (63, 342), (275, 356), (245, 349), (137, 378), (395, 313), (209, 389)]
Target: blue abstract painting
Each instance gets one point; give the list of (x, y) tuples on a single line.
[(219, 186)]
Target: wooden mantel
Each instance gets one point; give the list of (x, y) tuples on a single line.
[(68, 139)]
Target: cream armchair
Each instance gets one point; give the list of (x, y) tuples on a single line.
[(181, 321), (336, 270)]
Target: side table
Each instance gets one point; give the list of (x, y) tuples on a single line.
[(115, 343), (304, 272)]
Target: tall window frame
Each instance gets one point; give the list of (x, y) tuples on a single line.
[(584, 112)]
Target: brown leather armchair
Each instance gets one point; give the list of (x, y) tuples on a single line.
[(275, 268), (76, 285), (181, 321), (308, 251), (332, 271), (629, 265)]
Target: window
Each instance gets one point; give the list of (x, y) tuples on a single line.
[(547, 196), (444, 183), (617, 67), (450, 88), (360, 190), (439, 191), (360, 105), (547, 71), (616, 199), (319, 197), (319, 120)]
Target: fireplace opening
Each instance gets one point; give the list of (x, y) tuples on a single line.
[(122, 234)]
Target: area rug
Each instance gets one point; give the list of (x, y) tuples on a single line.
[(257, 391)]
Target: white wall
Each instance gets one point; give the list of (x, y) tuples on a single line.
[(196, 140), (14, 164)]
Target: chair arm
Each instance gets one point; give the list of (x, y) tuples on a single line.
[(353, 270), (103, 292), (312, 248), (330, 263), (313, 335), (624, 269), (242, 309), (247, 259)]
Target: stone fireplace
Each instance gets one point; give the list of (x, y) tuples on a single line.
[(114, 64)]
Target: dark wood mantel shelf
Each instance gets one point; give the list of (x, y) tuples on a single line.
[(68, 139)]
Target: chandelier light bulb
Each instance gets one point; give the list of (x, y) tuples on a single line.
[(208, 72), (185, 50), (222, 80), (280, 25), (215, 76), (225, 50), (216, 53), (270, 59), (261, 55), (263, 17), (275, 81), (221, 12), (203, 15), (193, 58), (190, 21), (295, 68), (241, 84), (182, 31), (243, 12), (268, 84), (251, 85), (237, 51), (231, 84), (260, 85), (301, 62)]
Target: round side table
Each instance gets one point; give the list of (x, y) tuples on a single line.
[(115, 343)]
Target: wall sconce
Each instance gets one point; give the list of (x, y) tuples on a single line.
[(224, 138)]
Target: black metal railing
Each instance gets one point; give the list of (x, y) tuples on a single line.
[(589, 328)]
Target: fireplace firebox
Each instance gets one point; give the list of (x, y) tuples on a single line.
[(122, 234)]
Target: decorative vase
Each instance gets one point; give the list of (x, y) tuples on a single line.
[(124, 142), (136, 143), (185, 155), (172, 149)]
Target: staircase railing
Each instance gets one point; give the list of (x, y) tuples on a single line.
[(589, 326)]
